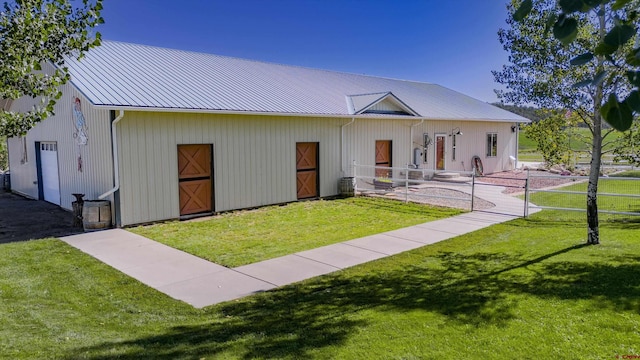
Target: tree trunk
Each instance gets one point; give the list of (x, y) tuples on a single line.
[(593, 225)]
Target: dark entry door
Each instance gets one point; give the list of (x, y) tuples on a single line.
[(383, 157), (440, 146), (195, 178), (307, 173)]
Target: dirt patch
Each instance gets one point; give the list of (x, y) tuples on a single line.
[(514, 180), (24, 219)]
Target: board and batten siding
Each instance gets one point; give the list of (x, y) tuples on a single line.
[(97, 173), (254, 159), (472, 142), (360, 138)]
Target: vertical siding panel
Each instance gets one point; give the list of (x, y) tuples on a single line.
[(152, 163), (97, 173), (254, 156)]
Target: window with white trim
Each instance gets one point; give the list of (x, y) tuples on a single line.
[(492, 144)]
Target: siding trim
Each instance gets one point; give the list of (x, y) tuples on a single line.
[(238, 112)]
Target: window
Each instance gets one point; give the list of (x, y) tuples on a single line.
[(492, 144), (453, 147)]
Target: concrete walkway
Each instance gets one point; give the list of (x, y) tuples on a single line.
[(202, 283)]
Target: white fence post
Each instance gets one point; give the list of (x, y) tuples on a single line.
[(526, 196), (406, 185), (355, 179)]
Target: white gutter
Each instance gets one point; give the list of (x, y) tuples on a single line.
[(515, 166), (114, 146), (411, 140), (237, 112), (342, 143)]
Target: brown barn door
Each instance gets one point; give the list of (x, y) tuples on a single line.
[(307, 173), (440, 145), (383, 157), (195, 178)]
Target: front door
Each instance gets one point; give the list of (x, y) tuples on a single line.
[(195, 178), (307, 170), (383, 158), (440, 146)]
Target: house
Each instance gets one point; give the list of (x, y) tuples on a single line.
[(165, 133)]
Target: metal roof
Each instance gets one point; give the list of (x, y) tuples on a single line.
[(118, 75)]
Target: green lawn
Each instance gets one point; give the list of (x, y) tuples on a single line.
[(244, 237), (605, 202), (524, 289), (630, 174), (527, 150)]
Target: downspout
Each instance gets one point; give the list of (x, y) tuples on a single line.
[(411, 140), (342, 144), (515, 165), (114, 147)]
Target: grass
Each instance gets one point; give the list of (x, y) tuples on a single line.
[(630, 174), (523, 289), (527, 148), (605, 202), (244, 237)]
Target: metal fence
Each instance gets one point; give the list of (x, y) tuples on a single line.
[(454, 189), (619, 196)]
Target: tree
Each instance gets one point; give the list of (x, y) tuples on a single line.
[(551, 135), (628, 148), (575, 55), (33, 32), (4, 155)]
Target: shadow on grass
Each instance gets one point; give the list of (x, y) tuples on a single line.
[(479, 289)]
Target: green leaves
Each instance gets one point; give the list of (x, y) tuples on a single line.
[(569, 6), (616, 38), (34, 33), (565, 29), (581, 59), (633, 57), (634, 78), (619, 35), (523, 10), (618, 114), (633, 100), (619, 4)]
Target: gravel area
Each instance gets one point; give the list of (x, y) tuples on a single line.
[(513, 181), (541, 180), (438, 196)]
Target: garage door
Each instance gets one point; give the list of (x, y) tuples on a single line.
[(49, 170), (195, 179)]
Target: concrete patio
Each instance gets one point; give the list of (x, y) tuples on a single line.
[(202, 283)]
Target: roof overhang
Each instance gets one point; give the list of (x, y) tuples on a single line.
[(310, 115)]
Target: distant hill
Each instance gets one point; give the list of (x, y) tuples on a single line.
[(528, 112)]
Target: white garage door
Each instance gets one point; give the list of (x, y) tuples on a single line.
[(49, 164)]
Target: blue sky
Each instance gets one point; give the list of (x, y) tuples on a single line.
[(451, 43)]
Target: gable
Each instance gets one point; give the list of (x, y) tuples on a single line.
[(378, 103)]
